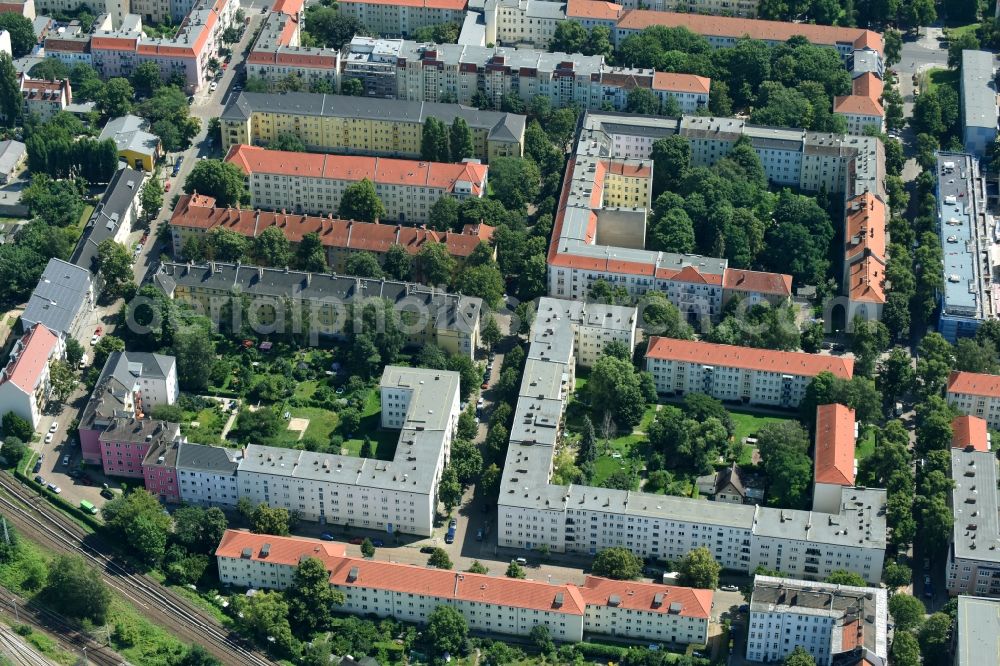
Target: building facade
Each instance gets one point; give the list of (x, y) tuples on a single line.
[(126, 441), (833, 623), (404, 16), (119, 209), (206, 475), (395, 496), (973, 561), (314, 183), (335, 123), (979, 102), (834, 465), (977, 630), (738, 374), (195, 216), (496, 605), (976, 394), (44, 98), (61, 301)]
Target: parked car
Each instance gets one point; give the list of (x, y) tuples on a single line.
[(39, 480), (48, 438), (38, 467), (485, 385), (356, 541), (53, 427), (479, 534), (729, 588), (54, 488), (378, 543), (66, 460), (427, 550), (452, 524), (450, 537), (326, 536), (107, 493)]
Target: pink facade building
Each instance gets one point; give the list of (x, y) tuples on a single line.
[(159, 471), (125, 443)]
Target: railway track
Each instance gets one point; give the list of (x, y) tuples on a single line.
[(27, 612), (20, 654), (24, 507)]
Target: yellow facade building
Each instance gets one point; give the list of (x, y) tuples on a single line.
[(341, 124)]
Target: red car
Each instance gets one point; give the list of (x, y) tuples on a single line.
[(167, 187), (99, 330), (356, 541), (485, 385)]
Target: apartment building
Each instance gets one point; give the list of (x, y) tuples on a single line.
[(125, 442), (968, 246), (834, 466), (159, 471), (865, 255), (137, 147), (206, 475), (405, 16), (130, 385), (745, 375), (977, 631), (460, 73), (532, 512), (319, 305), (973, 559), (976, 394), (736, 8), (836, 624), (335, 123), (278, 52), (44, 98), (25, 386), (863, 107), (491, 604), (522, 22), (314, 183), (196, 215), (61, 300), (25, 8), (119, 208), (587, 244), (979, 102), (395, 496)]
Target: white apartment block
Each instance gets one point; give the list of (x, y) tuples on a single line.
[(396, 496), (315, 183), (490, 604), (522, 22), (973, 558), (829, 621), (738, 374), (458, 72), (25, 384), (532, 512), (976, 394), (206, 475), (737, 8), (403, 16)]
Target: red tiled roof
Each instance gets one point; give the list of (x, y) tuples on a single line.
[(114, 43), (413, 173), (749, 358), (688, 83), (593, 9), (283, 550), (866, 280), (26, 370), (773, 31), (292, 7), (835, 445), (641, 596), (67, 45), (737, 279), (628, 170), (974, 383), (857, 105), (970, 431), (199, 212), (867, 224)]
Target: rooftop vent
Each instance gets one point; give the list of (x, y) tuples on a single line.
[(265, 550)]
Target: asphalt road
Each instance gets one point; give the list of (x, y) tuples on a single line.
[(918, 55)]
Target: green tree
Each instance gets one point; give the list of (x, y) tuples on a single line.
[(896, 575), (115, 265), (199, 530), (329, 28), (352, 88), (22, 33), (310, 255), (907, 612), (360, 202), (192, 347), (367, 548), (447, 631), (467, 461), (616, 386), (264, 617), (935, 640), (618, 563), (671, 158), (310, 598), (905, 649), (146, 78), (569, 37), (868, 340), (104, 347), (288, 142), (515, 570), (449, 489), (138, 519), (478, 567), (222, 180), (268, 520), (363, 264), (77, 590), (152, 196), (490, 333), (439, 559), (11, 103), (49, 69), (461, 140), (642, 101), (434, 141), (17, 426), (699, 569), (271, 248), (515, 181), (444, 215), (13, 450), (843, 577), (799, 657), (398, 263), (783, 449), (482, 281), (63, 380), (434, 264), (116, 98)]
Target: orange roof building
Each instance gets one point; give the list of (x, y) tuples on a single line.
[(740, 374), (196, 215), (315, 182), (24, 384), (492, 604), (863, 107), (976, 394), (970, 431), (834, 467)]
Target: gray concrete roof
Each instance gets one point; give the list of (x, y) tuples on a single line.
[(976, 532), (11, 154), (61, 294), (979, 97), (977, 639), (108, 217), (213, 459)]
